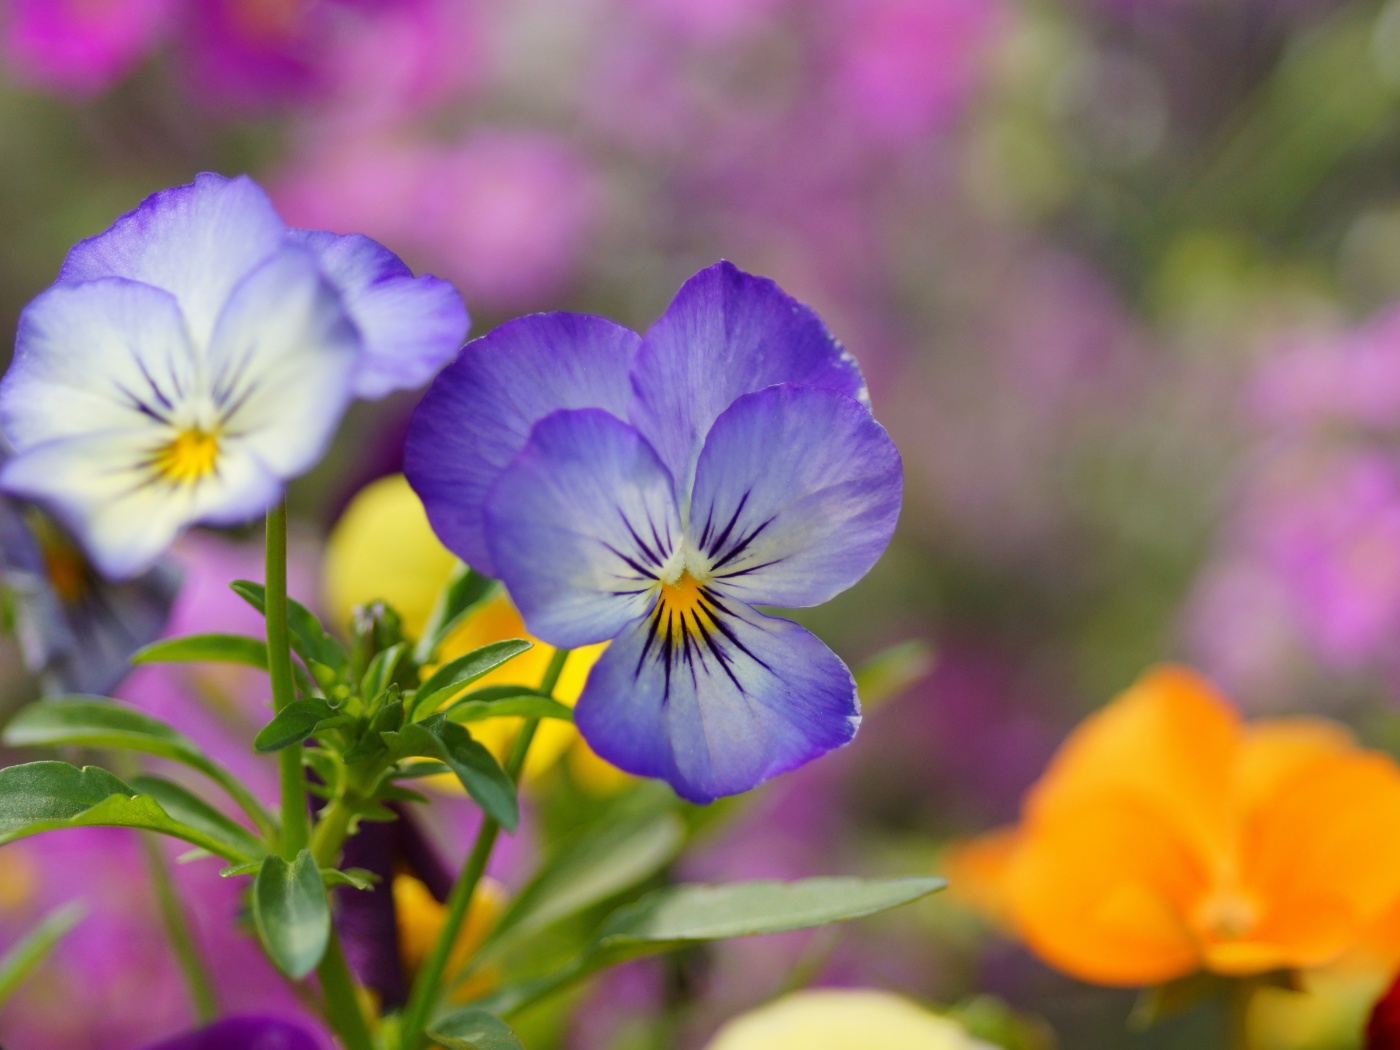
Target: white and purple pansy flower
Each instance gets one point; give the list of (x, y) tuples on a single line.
[(651, 491), (197, 355)]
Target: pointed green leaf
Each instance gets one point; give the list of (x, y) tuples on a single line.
[(47, 796), (310, 640), (94, 721), (600, 864), (192, 810), (33, 948), (291, 913), (295, 722), (515, 706), (381, 671), (482, 776), (455, 675), (679, 915), (205, 648), (463, 592), (473, 1030), (359, 878)]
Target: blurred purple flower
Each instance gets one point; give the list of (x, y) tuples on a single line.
[(80, 47), (244, 1033)]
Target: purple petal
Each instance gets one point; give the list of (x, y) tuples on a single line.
[(796, 496), (244, 1033), (718, 704), (411, 326), (727, 334), (478, 413), (580, 526), (194, 241)]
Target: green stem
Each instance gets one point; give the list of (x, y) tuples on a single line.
[(342, 1001), (192, 965), (332, 828), (1241, 994), (295, 819), (427, 984)]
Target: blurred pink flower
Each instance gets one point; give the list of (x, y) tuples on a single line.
[(503, 215), (1351, 378), (908, 67), (80, 47)]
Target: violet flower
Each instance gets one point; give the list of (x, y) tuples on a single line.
[(651, 491)]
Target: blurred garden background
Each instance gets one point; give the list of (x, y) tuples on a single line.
[(1124, 277)]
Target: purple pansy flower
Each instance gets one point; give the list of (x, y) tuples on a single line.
[(197, 355), (244, 1033), (651, 491)]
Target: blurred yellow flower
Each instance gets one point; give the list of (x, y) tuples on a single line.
[(1167, 836), (843, 1019), (384, 548), (420, 918)]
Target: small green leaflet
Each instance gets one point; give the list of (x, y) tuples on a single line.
[(291, 913), (455, 675), (205, 648), (474, 1030)]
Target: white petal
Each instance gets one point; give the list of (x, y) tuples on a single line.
[(196, 242), (281, 362), (108, 354)]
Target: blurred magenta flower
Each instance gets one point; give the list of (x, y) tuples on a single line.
[(750, 472), (196, 356), (81, 47)]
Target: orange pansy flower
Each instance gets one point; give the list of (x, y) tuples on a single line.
[(1168, 836)]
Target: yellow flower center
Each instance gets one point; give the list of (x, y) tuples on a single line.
[(192, 455), (684, 597)]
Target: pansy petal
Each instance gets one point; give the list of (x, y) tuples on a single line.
[(579, 526), (478, 413), (717, 703), (109, 354), (103, 489), (411, 326), (796, 496), (244, 1033), (195, 241), (281, 362), (726, 334)]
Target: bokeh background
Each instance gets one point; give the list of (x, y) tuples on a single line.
[(1124, 276)]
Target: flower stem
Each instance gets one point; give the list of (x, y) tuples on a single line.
[(192, 964), (295, 818), (342, 1002), (429, 980), (1237, 1034)]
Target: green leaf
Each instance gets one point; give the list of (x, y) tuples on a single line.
[(47, 796), (680, 915), (33, 948), (291, 913), (456, 674), (192, 810), (205, 648), (309, 639), (598, 865), (386, 720), (463, 592), (477, 769), (92, 721), (515, 706), (359, 878), (381, 671), (472, 1029), (295, 722), (891, 671)]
